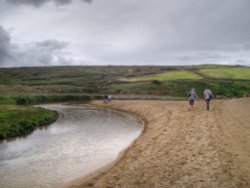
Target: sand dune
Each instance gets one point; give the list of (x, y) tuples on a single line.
[(179, 148)]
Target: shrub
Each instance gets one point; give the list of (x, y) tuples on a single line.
[(157, 82)]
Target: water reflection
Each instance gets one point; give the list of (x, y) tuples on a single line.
[(82, 140)]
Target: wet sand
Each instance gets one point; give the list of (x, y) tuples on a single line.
[(179, 148)]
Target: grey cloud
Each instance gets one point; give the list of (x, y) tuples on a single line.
[(62, 2), (49, 52), (4, 45), (132, 32), (51, 45), (87, 1), (38, 3)]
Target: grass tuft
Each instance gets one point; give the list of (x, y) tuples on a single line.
[(21, 120)]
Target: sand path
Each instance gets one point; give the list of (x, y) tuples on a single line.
[(180, 148)]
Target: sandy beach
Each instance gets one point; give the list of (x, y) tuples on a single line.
[(179, 148)]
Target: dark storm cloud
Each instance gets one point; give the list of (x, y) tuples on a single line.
[(38, 3)]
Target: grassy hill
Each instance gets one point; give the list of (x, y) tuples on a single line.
[(84, 82)]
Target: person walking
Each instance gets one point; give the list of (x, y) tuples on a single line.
[(208, 95), (192, 95), (105, 99), (109, 97)]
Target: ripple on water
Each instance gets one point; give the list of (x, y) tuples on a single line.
[(82, 140)]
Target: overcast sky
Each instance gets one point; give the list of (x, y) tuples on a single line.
[(124, 32)]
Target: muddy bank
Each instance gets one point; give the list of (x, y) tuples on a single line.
[(182, 149)]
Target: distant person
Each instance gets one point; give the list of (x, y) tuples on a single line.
[(109, 98), (192, 95), (208, 95), (105, 99)]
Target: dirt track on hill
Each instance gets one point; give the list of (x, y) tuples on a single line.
[(179, 148)]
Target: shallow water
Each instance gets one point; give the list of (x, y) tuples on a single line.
[(80, 141)]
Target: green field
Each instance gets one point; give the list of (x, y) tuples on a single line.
[(228, 73), (167, 76), (21, 120), (33, 85)]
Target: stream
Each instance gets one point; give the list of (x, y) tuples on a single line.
[(82, 140)]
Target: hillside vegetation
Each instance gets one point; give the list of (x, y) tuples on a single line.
[(228, 72), (168, 76), (48, 84)]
